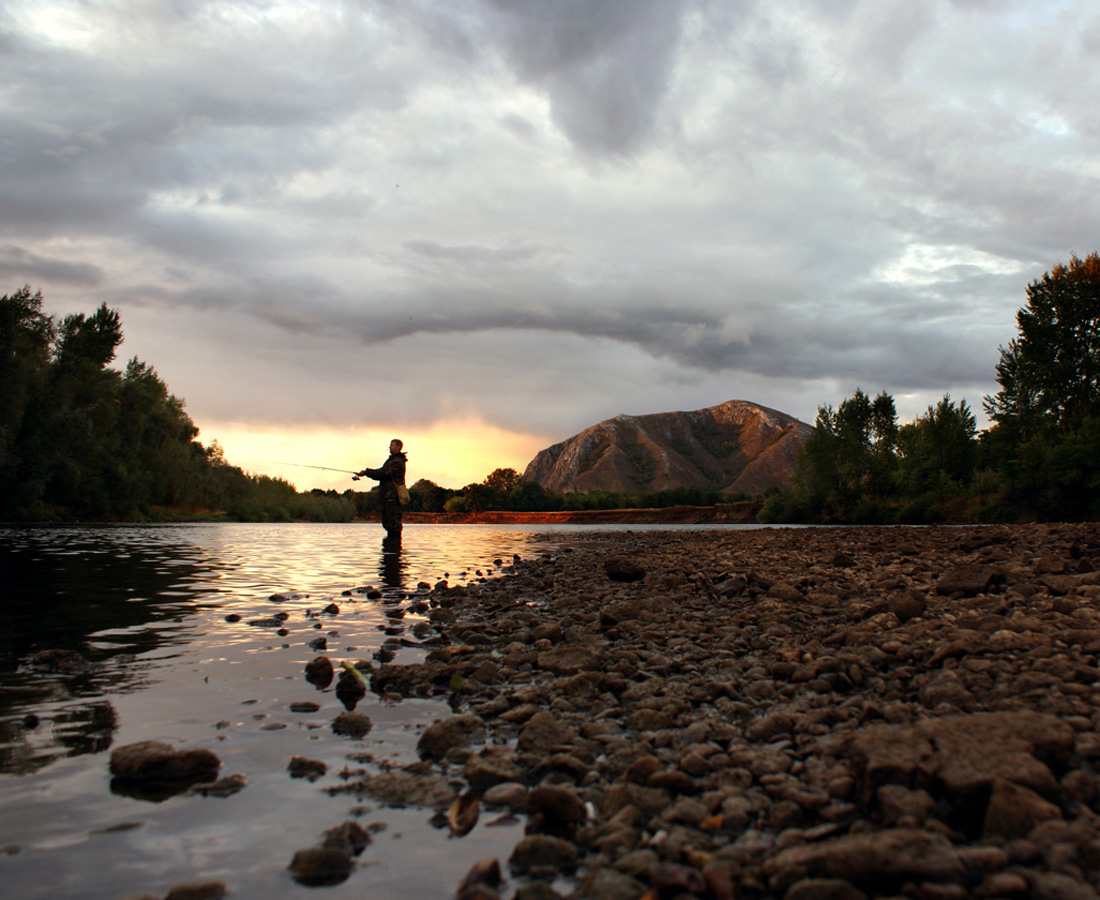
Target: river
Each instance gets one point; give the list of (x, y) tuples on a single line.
[(148, 606)]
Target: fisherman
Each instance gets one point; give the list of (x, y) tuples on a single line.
[(391, 484)]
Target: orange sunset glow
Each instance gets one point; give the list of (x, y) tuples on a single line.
[(452, 454)]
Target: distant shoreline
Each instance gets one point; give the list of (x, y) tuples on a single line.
[(732, 513)]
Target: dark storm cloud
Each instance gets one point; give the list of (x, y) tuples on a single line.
[(18, 264), (604, 66)]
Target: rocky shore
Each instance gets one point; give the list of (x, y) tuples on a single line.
[(812, 714)]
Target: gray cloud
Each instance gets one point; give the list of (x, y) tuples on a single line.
[(550, 211), (18, 264)]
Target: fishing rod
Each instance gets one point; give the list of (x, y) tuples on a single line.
[(272, 462)]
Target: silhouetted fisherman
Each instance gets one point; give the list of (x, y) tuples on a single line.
[(391, 484)]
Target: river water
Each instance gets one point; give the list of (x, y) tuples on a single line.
[(148, 606)]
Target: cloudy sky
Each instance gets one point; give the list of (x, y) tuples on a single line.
[(483, 225)]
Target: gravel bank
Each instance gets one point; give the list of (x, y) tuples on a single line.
[(815, 714)]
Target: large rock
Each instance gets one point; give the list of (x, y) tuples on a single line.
[(968, 579), (1015, 810), (878, 859), (568, 660), (483, 771), (963, 756), (158, 761), (543, 732)]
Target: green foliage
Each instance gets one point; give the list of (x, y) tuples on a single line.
[(640, 461), (81, 440), (502, 480), (1050, 374), (1045, 440), (720, 441), (1058, 476), (939, 452), (527, 496), (427, 496), (860, 467), (850, 454), (592, 456)]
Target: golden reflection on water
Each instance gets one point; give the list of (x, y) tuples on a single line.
[(149, 607)]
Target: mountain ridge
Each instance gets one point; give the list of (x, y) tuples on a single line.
[(734, 447)]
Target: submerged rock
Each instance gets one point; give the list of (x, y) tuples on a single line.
[(61, 662), (304, 767), (401, 787), (198, 890)]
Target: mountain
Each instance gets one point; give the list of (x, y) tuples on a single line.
[(736, 446)]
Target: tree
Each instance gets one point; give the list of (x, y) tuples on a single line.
[(1045, 439), (502, 480), (851, 452), (530, 496), (80, 439), (1050, 374), (427, 496), (477, 497), (939, 449)]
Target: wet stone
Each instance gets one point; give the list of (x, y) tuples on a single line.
[(352, 724), (622, 569), (542, 732), (198, 890), (320, 866), (824, 889), (304, 767), (447, 734), (511, 794), (401, 787), (319, 672), (348, 837), (158, 761), (483, 771), (540, 850)]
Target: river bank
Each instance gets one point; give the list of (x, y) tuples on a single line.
[(803, 713), (729, 513)]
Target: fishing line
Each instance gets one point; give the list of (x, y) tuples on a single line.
[(272, 462)]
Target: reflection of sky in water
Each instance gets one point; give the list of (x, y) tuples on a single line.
[(148, 606)]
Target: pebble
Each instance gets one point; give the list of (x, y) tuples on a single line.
[(825, 714)]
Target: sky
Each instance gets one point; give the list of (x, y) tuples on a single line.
[(484, 225)]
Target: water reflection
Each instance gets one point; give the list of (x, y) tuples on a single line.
[(392, 571), (63, 585), (31, 741), (129, 600)]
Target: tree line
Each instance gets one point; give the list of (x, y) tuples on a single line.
[(81, 440), (506, 490), (1039, 459)]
